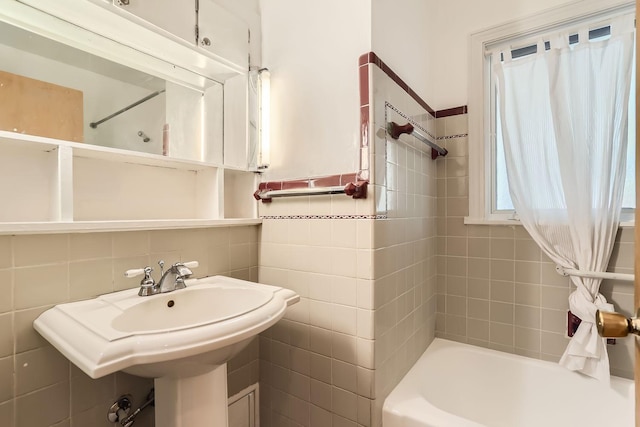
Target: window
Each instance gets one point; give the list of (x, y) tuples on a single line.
[(490, 201)]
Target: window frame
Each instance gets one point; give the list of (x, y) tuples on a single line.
[(481, 110)]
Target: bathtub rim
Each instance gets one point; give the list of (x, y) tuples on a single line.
[(400, 403)]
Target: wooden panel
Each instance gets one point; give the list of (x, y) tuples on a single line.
[(39, 108)]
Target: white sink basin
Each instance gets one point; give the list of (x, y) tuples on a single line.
[(177, 334), (190, 307)]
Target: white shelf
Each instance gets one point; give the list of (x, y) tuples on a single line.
[(55, 186), (25, 143), (29, 184), (104, 226)]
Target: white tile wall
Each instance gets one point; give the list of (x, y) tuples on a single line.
[(367, 286), (371, 298), (309, 362), (495, 287), (37, 271)]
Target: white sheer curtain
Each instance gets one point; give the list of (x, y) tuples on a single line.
[(564, 126)]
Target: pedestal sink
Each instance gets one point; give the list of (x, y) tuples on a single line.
[(182, 339)]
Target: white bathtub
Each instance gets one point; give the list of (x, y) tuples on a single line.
[(459, 385)]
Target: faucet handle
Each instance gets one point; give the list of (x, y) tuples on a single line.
[(191, 264), (134, 272), (183, 271)]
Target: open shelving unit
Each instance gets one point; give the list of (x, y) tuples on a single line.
[(61, 186)]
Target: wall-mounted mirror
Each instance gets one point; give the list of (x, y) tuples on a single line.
[(51, 89)]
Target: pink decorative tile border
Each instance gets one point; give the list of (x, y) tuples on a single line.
[(455, 111), (372, 58), (324, 181)]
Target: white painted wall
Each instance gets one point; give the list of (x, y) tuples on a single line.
[(453, 21), (402, 36), (312, 50)]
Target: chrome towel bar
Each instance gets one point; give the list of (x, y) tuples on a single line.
[(356, 190)]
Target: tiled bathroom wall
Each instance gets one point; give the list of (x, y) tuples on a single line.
[(365, 270), (495, 287), (38, 386), (316, 365), (380, 277), (405, 241)]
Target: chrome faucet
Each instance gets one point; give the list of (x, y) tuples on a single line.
[(170, 280), (173, 278)]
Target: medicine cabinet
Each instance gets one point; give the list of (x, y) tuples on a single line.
[(109, 122), (201, 23)]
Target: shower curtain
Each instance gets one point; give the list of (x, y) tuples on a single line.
[(564, 125)]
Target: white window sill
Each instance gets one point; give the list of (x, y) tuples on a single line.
[(494, 221), (490, 221)]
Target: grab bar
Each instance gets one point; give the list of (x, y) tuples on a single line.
[(594, 274), (356, 190), (395, 130), (127, 108)]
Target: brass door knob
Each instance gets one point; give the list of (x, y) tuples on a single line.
[(615, 325)]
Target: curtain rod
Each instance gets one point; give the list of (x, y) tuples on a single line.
[(395, 130), (128, 107), (594, 274)]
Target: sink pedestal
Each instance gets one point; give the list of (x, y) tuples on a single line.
[(198, 401)]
